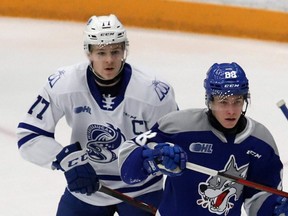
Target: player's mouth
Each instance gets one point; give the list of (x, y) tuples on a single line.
[(109, 69), (230, 119)]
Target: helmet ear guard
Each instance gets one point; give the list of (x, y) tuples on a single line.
[(225, 79)]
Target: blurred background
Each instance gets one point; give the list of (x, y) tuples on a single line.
[(176, 40)]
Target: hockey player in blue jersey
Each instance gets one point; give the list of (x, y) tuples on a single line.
[(105, 101), (220, 137)]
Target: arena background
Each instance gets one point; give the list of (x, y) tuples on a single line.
[(260, 19), (32, 49)]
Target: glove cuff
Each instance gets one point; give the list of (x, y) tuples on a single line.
[(150, 166), (70, 156)]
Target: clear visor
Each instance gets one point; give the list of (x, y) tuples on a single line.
[(225, 102), (115, 51)]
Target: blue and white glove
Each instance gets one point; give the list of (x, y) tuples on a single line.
[(168, 158), (80, 175), (281, 208)]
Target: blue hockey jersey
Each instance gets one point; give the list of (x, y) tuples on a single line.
[(252, 155)]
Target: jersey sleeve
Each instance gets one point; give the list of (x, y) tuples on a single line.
[(267, 170), (130, 158), (261, 202), (35, 134), (167, 105), (131, 163)]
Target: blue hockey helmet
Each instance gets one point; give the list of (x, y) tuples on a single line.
[(226, 79)]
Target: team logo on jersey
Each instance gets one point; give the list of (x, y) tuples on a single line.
[(216, 193), (161, 89), (55, 77), (107, 101), (201, 147), (102, 140)]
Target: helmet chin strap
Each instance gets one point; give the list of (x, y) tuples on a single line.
[(245, 110)]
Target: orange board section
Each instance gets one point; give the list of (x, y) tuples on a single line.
[(160, 14)]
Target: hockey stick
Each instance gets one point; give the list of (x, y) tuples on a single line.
[(282, 105), (129, 200), (211, 172)]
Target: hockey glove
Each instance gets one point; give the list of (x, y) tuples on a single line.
[(80, 175), (281, 208), (168, 158)]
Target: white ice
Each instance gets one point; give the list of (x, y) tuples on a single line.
[(31, 50)]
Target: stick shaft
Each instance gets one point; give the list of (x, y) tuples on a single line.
[(129, 200), (282, 105), (238, 180)]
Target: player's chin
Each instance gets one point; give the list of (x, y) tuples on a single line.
[(110, 74), (229, 123)]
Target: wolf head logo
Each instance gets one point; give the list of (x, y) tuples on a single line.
[(217, 191)]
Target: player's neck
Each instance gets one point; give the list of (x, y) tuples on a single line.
[(112, 90)]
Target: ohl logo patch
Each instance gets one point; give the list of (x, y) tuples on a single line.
[(201, 147), (102, 140), (82, 109)]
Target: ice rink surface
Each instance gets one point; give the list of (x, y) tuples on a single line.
[(31, 50)]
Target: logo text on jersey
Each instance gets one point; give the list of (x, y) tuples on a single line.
[(254, 154), (201, 148), (84, 109)]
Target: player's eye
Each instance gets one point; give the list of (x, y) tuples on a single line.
[(101, 53)]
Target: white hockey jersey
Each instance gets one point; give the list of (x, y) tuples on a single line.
[(101, 123)]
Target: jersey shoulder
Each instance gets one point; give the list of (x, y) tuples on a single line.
[(187, 120), (68, 79), (149, 88), (261, 132)]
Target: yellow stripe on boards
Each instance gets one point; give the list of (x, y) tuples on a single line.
[(159, 14)]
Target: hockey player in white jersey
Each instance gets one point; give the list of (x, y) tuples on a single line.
[(105, 101), (221, 138)]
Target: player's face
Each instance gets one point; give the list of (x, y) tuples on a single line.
[(227, 110), (107, 60)]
